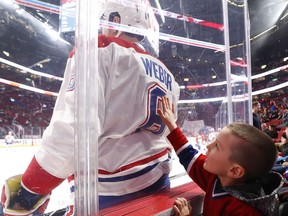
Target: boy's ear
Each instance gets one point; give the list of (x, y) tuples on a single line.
[(236, 171)]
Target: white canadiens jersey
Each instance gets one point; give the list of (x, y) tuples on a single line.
[(9, 138), (133, 150)]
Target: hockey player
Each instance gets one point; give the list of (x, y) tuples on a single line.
[(134, 157), (9, 139)]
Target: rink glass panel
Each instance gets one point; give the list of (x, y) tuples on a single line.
[(202, 60)]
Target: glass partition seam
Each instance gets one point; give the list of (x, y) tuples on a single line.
[(248, 61), (86, 135), (227, 59)]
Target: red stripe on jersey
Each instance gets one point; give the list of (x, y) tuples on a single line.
[(38, 180), (136, 163), (104, 41), (70, 178), (72, 53), (69, 211)]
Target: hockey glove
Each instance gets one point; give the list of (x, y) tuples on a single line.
[(16, 200)]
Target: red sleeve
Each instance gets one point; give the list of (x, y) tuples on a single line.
[(177, 138), (38, 180), (72, 53)]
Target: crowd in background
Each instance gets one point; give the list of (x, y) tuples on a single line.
[(30, 109), (273, 115)]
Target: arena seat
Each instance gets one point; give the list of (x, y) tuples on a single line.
[(275, 122), (159, 204)]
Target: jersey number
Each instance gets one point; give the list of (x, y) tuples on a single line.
[(153, 121)]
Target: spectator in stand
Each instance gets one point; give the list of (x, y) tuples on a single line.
[(283, 145), (284, 119), (256, 118), (281, 165), (285, 103), (264, 127), (281, 112), (264, 115), (273, 107), (272, 131), (275, 114)]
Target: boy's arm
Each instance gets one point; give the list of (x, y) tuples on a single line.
[(189, 157), (176, 137)]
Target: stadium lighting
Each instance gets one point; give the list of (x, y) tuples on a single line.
[(263, 66), (6, 53)]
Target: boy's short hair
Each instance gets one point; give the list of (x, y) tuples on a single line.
[(256, 152)]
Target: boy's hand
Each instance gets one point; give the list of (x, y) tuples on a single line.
[(167, 114), (181, 207)]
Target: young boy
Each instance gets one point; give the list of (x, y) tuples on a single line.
[(234, 173)]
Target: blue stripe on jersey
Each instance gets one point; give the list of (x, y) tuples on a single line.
[(130, 176), (186, 155), (72, 189)]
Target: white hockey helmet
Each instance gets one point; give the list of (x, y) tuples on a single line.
[(133, 14)]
